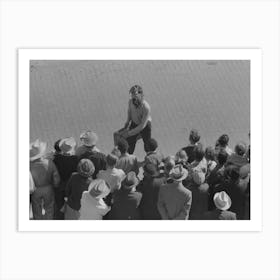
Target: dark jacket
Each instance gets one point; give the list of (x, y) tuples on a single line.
[(219, 215), (149, 187), (125, 205)]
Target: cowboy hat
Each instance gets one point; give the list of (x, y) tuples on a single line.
[(89, 138), (67, 145), (98, 188), (179, 173), (37, 149), (222, 200)]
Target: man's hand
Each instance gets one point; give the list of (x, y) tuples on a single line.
[(124, 133)]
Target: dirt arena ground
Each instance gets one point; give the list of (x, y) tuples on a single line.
[(67, 97)]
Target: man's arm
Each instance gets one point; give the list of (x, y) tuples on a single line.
[(143, 123), (128, 116)]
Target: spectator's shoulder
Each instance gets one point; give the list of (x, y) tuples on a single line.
[(146, 105)]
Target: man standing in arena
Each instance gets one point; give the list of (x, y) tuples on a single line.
[(138, 119)]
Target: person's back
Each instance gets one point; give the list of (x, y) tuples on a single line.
[(125, 205), (149, 187)]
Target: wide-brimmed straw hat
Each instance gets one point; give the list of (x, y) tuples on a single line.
[(98, 188), (85, 167), (67, 145), (37, 149), (222, 200), (130, 181), (89, 138), (179, 173)]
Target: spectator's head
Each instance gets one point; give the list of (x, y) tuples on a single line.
[(194, 136), (67, 146), (85, 168), (178, 173), (116, 152), (130, 182), (37, 150), (150, 145), (98, 189), (223, 140), (122, 146), (111, 160), (232, 173), (169, 164), (89, 138), (136, 93), (198, 177), (210, 153), (181, 157), (198, 153), (150, 170), (222, 157), (240, 148), (56, 146)]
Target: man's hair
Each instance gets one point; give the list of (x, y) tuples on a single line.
[(151, 145), (136, 89), (122, 145), (210, 153), (198, 152), (111, 160), (194, 136), (222, 157), (223, 140)]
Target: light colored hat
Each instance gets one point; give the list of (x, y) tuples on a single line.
[(130, 181), (67, 145), (222, 200), (98, 188), (179, 173), (37, 149), (89, 138), (85, 167), (198, 177)]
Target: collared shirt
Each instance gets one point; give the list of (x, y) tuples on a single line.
[(138, 115), (113, 177)]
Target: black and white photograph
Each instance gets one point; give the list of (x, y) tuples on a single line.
[(144, 140)]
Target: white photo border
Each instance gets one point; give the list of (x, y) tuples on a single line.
[(255, 57)]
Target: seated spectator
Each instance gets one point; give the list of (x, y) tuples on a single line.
[(199, 162), (210, 159), (66, 163), (112, 175), (77, 184), (149, 187), (222, 144), (127, 162), (199, 190), (174, 200), (46, 178), (222, 203), (153, 155), (126, 201), (89, 140), (93, 206), (194, 138), (238, 158)]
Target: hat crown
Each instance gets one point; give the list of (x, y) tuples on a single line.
[(179, 173), (222, 200), (68, 144), (89, 138)]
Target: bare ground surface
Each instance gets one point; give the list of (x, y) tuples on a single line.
[(67, 97)]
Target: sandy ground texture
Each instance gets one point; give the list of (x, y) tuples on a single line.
[(67, 97)]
